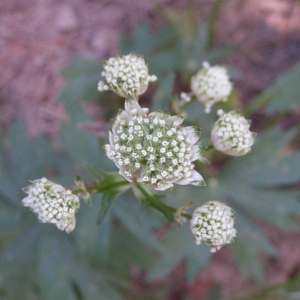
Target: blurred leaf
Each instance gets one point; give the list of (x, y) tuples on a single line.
[(56, 267), (138, 224), (213, 22), (29, 157), (82, 67), (106, 203), (249, 244), (18, 267), (95, 285), (284, 171), (95, 244), (163, 95), (82, 77), (180, 244), (284, 92), (82, 147)]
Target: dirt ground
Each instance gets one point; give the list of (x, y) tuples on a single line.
[(39, 37)]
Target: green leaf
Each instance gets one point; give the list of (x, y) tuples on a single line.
[(95, 244), (18, 264), (29, 157), (179, 244), (284, 171), (163, 95), (82, 67), (248, 245), (56, 257), (106, 203), (95, 285), (285, 92), (83, 148), (137, 223)]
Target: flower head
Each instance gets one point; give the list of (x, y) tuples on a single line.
[(211, 85), (127, 74), (212, 223), (52, 203), (153, 148), (231, 134)]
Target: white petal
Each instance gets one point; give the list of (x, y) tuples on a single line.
[(166, 186), (71, 225), (111, 138), (108, 148), (195, 179), (196, 152), (193, 134), (175, 120)]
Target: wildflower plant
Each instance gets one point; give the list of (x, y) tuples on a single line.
[(153, 150), (134, 189)]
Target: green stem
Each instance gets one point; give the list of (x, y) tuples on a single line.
[(100, 187), (212, 23), (158, 204)]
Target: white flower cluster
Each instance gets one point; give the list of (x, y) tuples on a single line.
[(213, 223), (153, 148), (231, 134), (125, 75), (52, 203), (211, 85)]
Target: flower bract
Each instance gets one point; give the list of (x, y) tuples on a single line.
[(153, 148), (212, 224), (211, 85), (52, 203), (127, 74)]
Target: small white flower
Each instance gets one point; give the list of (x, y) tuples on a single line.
[(154, 151), (211, 85), (127, 74), (52, 203), (231, 134), (212, 223)]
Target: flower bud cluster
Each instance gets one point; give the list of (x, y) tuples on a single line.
[(153, 148), (231, 134), (211, 85), (212, 223), (52, 203), (125, 75)]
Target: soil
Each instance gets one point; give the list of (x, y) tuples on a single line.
[(40, 37)]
